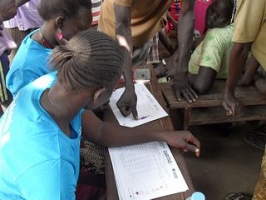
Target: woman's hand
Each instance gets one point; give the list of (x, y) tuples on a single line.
[(183, 140)]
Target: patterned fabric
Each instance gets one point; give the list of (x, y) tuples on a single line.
[(213, 51), (4, 67), (92, 158), (174, 11), (153, 54), (260, 189), (95, 10)]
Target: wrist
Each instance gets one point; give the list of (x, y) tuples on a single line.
[(228, 93), (129, 86)]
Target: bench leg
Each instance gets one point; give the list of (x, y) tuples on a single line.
[(187, 114), (177, 118)]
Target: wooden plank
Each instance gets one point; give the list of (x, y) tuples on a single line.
[(214, 115), (208, 108), (246, 95)]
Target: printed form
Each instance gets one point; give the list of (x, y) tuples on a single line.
[(147, 106), (146, 171)]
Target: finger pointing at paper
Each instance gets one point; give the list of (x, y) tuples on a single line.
[(183, 140)]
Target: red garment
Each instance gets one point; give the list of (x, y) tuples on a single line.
[(200, 13), (174, 11)]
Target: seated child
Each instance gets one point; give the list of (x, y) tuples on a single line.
[(210, 59)]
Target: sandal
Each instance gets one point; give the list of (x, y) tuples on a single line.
[(256, 138), (238, 196)]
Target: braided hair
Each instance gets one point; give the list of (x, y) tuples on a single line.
[(47, 9), (90, 59)]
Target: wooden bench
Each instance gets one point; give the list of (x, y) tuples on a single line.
[(208, 108)]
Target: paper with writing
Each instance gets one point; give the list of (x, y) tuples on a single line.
[(146, 171), (147, 106)]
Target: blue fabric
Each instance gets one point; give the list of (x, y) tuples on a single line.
[(37, 160), (29, 63)]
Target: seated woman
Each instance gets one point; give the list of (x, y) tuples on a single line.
[(210, 59), (44, 121)]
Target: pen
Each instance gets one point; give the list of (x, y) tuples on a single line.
[(144, 117)]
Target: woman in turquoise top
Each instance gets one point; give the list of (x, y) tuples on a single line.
[(62, 20), (42, 126)]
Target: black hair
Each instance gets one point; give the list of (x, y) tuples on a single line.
[(232, 5), (49, 8), (90, 59)]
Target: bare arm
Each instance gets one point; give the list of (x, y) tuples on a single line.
[(127, 103), (185, 35), (7, 9), (251, 69), (182, 54), (203, 81), (238, 59), (21, 2), (112, 135)]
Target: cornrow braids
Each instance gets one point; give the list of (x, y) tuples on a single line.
[(47, 9), (90, 59)]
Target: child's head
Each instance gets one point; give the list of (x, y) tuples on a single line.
[(90, 60), (219, 13), (68, 16)]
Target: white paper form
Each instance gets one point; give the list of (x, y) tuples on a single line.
[(147, 106), (146, 171)]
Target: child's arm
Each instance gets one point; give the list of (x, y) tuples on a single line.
[(203, 81)]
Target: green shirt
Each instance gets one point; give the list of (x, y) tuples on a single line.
[(214, 52)]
